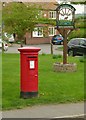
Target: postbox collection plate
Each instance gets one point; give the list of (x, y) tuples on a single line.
[(32, 64)]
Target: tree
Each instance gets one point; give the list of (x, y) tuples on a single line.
[(19, 18), (82, 2)]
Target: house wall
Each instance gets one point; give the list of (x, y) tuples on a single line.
[(37, 40)]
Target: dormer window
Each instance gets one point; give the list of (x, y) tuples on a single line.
[(52, 14)]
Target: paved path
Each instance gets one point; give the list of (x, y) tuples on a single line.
[(47, 111)]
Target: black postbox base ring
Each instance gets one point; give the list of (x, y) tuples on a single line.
[(26, 95)]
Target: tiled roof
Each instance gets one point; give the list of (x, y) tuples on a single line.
[(28, 1), (45, 4)]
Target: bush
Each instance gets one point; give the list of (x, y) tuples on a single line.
[(43, 54), (80, 33), (57, 56), (82, 59), (79, 23)]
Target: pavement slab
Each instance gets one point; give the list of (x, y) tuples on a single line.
[(47, 111)]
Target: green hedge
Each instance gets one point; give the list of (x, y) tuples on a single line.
[(80, 24), (80, 33)]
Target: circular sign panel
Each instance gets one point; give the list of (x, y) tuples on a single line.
[(65, 13)]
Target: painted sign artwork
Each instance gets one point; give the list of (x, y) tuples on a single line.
[(65, 15)]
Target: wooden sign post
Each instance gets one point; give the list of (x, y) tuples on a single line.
[(65, 48), (65, 24)]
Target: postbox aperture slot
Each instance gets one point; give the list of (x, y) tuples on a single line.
[(31, 56)]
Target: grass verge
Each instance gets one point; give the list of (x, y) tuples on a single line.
[(53, 87)]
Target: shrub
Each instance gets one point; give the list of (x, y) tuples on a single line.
[(82, 59), (57, 56), (77, 34), (43, 54)]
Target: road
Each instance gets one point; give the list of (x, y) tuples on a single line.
[(45, 48)]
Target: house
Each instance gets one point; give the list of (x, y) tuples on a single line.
[(42, 32)]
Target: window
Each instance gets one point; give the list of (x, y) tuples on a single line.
[(83, 42), (52, 31), (52, 14), (38, 32), (74, 41)]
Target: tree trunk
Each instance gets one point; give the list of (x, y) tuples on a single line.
[(21, 45)]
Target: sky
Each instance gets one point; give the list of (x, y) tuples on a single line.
[(79, 8)]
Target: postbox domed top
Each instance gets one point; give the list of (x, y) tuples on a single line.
[(29, 49)]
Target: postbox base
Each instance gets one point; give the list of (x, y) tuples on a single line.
[(28, 94)]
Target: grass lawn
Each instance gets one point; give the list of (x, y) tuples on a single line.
[(53, 87)]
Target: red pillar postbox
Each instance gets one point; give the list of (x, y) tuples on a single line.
[(29, 72)]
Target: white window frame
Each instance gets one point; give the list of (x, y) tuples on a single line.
[(52, 14), (38, 32), (52, 31)]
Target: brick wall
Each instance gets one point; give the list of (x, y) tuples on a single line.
[(38, 40)]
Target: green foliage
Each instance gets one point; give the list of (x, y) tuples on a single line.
[(57, 56), (80, 33), (80, 17), (46, 21), (43, 54), (82, 59), (80, 24), (19, 18), (80, 2)]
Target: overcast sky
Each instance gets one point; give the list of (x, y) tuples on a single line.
[(80, 8)]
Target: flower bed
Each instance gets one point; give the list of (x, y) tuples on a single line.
[(60, 67)]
